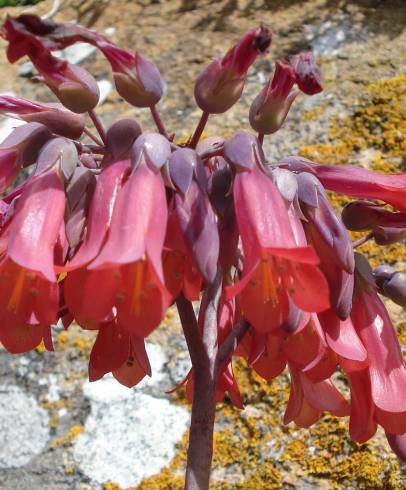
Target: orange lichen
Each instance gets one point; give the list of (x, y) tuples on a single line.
[(67, 438)]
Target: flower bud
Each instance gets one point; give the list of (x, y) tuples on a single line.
[(220, 84), (387, 235), (137, 80), (397, 442), (308, 76), (53, 116), (271, 106), (383, 273), (75, 87), (360, 215), (395, 288)]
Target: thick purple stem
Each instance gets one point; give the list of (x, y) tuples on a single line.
[(158, 121), (203, 353), (363, 240), (93, 137), (199, 130), (261, 138), (98, 125), (230, 343)]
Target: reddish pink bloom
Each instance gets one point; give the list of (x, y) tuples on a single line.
[(104, 199), (130, 260), (272, 361), (275, 266), (29, 292), (362, 417), (342, 337), (36, 224), (355, 181), (307, 400), (181, 275), (330, 238), (307, 351), (386, 368), (121, 354), (20, 338), (398, 444)]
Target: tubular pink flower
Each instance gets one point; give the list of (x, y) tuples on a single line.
[(131, 255), (275, 267), (355, 181)]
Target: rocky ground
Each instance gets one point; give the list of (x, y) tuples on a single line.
[(59, 432)]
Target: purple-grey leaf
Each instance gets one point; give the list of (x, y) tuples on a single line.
[(199, 228), (294, 318), (285, 182), (121, 136), (219, 188), (27, 140), (81, 183), (395, 288), (243, 151), (153, 147), (211, 146), (297, 164), (181, 168), (61, 152)]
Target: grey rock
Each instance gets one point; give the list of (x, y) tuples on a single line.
[(24, 427), (128, 436)]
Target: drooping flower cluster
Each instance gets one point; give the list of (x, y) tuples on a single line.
[(110, 233)]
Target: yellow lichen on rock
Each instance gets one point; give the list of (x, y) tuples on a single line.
[(253, 450), (67, 438), (378, 123), (79, 340)]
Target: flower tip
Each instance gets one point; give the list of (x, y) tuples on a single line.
[(308, 74), (397, 442), (262, 40)]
